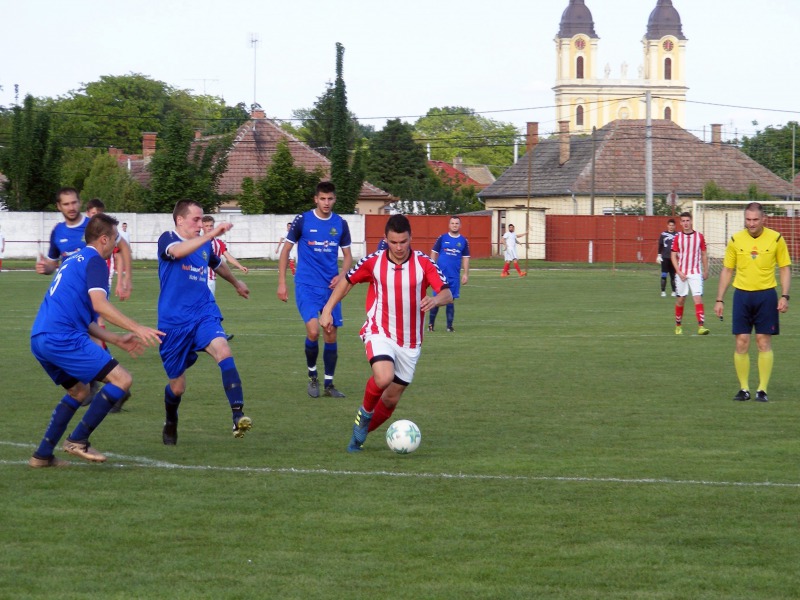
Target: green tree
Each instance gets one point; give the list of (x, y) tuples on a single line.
[(113, 186), (772, 148), (347, 180), (249, 201), (455, 131), (32, 159), (181, 170), (287, 189)]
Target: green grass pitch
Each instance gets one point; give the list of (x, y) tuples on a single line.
[(573, 447)]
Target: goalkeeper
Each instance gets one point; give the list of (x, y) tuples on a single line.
[(665, 257)]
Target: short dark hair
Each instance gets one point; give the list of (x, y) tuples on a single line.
[(182, 209), (208, 219), (397, 224), (325, 187), (686, 214), (671, 221), (99, 225), (67, 190), (96, 203)]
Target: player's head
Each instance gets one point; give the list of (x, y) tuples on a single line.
[(188, 217), (398, 237), (754, 218), (124, 227), (101, 225), (511, 228), (325, 198), (686, 222), (68, 202), (94, 206), (455, 224), (208, 223), (671, 225)]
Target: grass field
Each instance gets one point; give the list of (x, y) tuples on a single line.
[(573, 447)]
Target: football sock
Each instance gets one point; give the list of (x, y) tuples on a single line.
[(232, 384), (765, 362), (330, 353), (663, 282), (62, 414), (379, 417), (516, 266), (97, 411), (699, 312), (312, 352), (432, 315), (171, 403), (678, 314), (505, 267), (741, 363), (372, 393), (450, 311)]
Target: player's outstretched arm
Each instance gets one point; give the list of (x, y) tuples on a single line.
[(104, 308), (232, 260)]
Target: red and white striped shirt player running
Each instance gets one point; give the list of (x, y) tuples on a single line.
[(690, 259)]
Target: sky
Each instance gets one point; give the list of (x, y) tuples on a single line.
[(401, 58)]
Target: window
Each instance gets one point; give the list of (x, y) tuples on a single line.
[(668, 114), (579, 116), (579, 67), (667, 68)]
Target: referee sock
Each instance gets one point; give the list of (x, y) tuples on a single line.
[(741, 363), (62, 414), (232, 384), (765, 362), (372, 394), (380, 416), (97, 411)]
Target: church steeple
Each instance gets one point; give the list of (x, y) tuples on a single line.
[(663, 21), (576, 18)]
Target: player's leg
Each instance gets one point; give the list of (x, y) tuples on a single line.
[(506, 266), (177, 356), (380, 354), (309, 304), (682, 286), (330, 353), (766, 324), (220, 351)]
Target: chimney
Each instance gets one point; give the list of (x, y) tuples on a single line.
[(716, 134), (198, 133), (532, 137), (563, 135), (148, 144), (115, 151), (258, 113), (458, 163)]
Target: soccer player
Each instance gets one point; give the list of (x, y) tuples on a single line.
[(510, 254), (392, 333), (690, 259), (318, 234), (189, 315), (664, 258), (755, 252), (221, 250), (292, 252), (60, 341), (451, 253)]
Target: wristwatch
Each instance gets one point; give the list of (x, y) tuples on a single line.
[(785, 296)]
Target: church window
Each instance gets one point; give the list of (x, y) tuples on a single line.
[(579, 116), (668, 114), (579, 67), (667, 68)]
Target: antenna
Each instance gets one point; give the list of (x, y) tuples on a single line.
[(204, 82), (254, 45)]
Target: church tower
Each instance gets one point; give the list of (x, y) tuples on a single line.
[(586, 100)]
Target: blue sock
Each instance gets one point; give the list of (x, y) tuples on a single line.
[(97, 411), (312, 352), (450, 311), (432, 315), (232, 384), (329, 356), (62, 414), (171, 403)]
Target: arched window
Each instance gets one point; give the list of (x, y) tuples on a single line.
[(579, 68), (667, 68), (579, 116), (668, 114)]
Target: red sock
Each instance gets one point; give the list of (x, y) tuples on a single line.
[(505, 267), (516, 266), (372, 394), (678, 314), (379, 417), (700, 313)]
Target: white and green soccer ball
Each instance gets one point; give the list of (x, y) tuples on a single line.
[(403, 436)]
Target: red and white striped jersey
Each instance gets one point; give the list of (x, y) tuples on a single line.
[(690, 248), (395, 293), (219, 248)]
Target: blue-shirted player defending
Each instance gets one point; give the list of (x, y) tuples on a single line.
[(189, 315), (60, 341), (451, 254), (318, 235)]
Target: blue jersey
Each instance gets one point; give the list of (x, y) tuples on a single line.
[(66, 240), (67, 306), (184, 297), (451, 250), (318, 242)]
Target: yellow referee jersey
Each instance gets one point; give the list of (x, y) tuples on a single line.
[(755, 259)]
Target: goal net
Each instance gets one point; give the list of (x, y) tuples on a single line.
[(718, 220)]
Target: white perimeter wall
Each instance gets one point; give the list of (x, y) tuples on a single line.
[(252, 236)]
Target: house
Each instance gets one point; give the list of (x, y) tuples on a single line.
[(250, 155), (453, 176)]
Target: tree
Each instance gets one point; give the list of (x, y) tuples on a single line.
[(249, 201), (113, 186), (287, 189), (347, 180), (180, 171), (457, 131), (772, 148), (32, 160)]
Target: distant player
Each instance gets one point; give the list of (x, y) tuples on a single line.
[(690, 259), (510, 253), (665, 258), (451, 253)]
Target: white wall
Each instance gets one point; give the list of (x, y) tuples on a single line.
[(252, 236)]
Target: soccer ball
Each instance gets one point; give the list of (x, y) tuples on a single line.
[(403, 436)]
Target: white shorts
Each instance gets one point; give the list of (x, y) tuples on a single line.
[(693, 283), (405, 359), (510, 254)]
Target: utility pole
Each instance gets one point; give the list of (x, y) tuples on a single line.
[(648, 157), (254, 45)]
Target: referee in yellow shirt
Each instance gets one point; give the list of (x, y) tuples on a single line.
[(754, 253)]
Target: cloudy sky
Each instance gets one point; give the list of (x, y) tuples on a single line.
[(402, 58)]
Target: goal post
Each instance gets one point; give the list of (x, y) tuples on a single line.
[(718, 220)]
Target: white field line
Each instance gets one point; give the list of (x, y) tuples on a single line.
[(142, 461)]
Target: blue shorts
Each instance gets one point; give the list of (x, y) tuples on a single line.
[(311, 300), (453, 283), (70, 358), (757, 310), (180, 346)]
